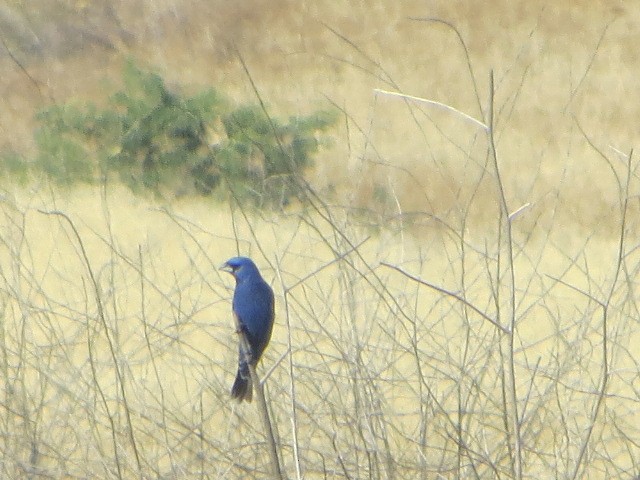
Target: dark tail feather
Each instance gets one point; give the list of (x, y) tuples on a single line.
[(242, 388)]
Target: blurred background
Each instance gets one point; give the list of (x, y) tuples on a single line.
[(565, 76), (437, 317)]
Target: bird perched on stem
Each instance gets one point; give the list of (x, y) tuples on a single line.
[(253, 309)]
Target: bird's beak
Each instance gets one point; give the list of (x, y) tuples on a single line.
[(226, 268)]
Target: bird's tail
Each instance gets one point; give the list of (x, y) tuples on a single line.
[(242, 388)]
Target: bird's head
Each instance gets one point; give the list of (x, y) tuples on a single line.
[(240, 267)]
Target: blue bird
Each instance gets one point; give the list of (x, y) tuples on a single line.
[(253, 308)]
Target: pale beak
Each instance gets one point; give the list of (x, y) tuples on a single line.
[(226, 268)]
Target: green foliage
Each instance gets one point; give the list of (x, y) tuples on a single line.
[(270, 153), (151, 138), (14, 166)]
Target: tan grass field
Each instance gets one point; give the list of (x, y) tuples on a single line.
[(375, 375)]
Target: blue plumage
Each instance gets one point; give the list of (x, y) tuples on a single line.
[(253, 306)]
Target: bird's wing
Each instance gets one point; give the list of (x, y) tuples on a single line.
[(253, 307)]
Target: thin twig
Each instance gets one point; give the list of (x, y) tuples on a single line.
[(292, 385), (433, 103), (464, 48), (448, 293), (605, 316), (508, 242), (103, 321), (262, 402)]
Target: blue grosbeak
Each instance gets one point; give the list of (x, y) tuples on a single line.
[(253, 308)]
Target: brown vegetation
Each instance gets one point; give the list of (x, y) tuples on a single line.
[(122, 369)]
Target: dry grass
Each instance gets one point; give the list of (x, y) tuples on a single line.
[(383, 377), (557, 68), (117, 359)]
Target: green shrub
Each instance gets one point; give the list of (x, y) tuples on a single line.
[(13, 165), (151, 138), (270, 153)]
